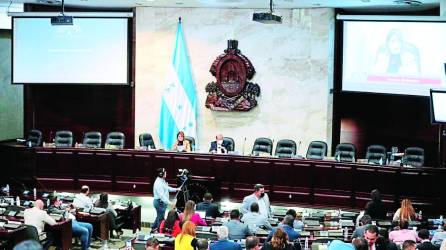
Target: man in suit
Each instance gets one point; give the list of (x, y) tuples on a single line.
[(219, 146), (223, 243), (261, 198), (254, 220), (425, 244), (207, 205), (371, 234), (287, 226), (237, 230)]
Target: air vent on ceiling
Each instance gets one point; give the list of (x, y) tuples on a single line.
[(408, 2)]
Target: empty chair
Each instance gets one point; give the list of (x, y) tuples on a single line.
[(317, 150), (262, 145), (146, 140), (191, 141), (345, 152), (63, 138), (92, 140), (285, 148), (230, 142), (413, 156), (35, 137), (115, 140), (376, 154)]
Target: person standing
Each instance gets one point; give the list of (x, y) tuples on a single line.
[(261, 198), (161, 191)]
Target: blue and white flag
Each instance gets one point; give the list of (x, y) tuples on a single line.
[(179, 101)]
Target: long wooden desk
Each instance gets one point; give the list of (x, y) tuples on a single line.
[(288, 181)]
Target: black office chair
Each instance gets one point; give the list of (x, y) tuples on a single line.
[(376, 154), (413, 156), (115, 139), (262, 145), (345, 152), (92, 140), (317, 150), (191, 142), (35, 137), (285, 148), (146, 140), (63, 138), (230, 142)]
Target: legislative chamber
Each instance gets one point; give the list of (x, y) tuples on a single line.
[(254, 124)]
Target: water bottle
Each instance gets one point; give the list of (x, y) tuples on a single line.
[(441, 219), (7, 189), (306, 243), (17, 201), (105, 247), (35, 193), (345, 233), (421, 214)]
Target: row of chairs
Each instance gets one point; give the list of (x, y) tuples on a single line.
[(64, 138), (286, 148)]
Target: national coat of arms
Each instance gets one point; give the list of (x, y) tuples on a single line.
[(232, 91)]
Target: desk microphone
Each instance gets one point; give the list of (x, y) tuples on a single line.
[(272, 148), (243, 148), (298, 147)]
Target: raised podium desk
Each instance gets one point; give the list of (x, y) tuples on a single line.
[(288, 181)]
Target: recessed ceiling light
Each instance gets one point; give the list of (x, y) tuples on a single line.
[(179, 3), (317, 4), (365, 1)]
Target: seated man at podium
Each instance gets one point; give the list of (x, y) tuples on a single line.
[(219, 146), (181, 144)]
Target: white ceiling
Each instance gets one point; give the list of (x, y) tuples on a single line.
[(391, 5)]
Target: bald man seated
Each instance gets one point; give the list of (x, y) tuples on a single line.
[(37, 217), (219, 146)]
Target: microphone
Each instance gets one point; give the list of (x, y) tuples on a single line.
[(298, 147), (272, 148), (243, 148)]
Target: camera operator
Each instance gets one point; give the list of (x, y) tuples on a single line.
[(161, 191)]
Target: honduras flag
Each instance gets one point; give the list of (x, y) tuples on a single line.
[(179, 101)]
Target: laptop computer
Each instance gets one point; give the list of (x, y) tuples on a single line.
[(202, 214)]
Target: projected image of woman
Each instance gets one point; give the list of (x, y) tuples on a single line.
[(397, 56)]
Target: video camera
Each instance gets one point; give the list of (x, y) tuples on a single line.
[(183, 174)]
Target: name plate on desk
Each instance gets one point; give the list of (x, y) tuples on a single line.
[(321, 233), (48, 145)]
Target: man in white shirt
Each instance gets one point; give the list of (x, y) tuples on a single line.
[(37, 217), (161, 191), (254, 220), (261, 198), (82, 200)]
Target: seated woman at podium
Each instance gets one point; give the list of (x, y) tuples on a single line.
[(181, 144), (190, 215)]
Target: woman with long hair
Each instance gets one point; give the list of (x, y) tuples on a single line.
[(181, 144), (279, 241), (171, 225), (405, 212), (190, 215), (186, 239)]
